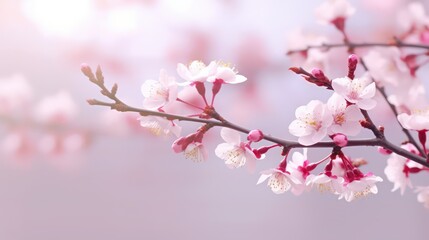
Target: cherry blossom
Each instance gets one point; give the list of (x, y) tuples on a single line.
[(413, 17), (196, 152), (408, 95), (160, 126), (360, 188), (59, 109), (15, 93), (359, 91), (159, 92), (312, 58), (191, 146), (345, 118), (417, 120), (226, 74), (197, 71), (326, 183), (385, 66), (298, 168), (332, 10), (395, 172), (234, 152), (423, 195), (312, 122), (279, 181)]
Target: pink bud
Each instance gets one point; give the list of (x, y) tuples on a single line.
[(255, 136), (340, 139), (318, 73), (86, 70), (353, 60), (178, 145), (384, 151)]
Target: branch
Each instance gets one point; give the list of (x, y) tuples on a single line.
[(351, 45), (221, 122)]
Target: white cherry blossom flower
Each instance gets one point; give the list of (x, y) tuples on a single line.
[(160, 126), (196, 152), (159, 92), (359, 91), (325, 183), (331, 10), (413, 17), (279, 181), (423, 195), (395, 172), (312, 123), (418, 120), (234, 152), (297, 168), (197, 71), (360, 188), (385, 66), (226, 74), (345, 118)]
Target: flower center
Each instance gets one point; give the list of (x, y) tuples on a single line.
[(339, 118), (196, 66)]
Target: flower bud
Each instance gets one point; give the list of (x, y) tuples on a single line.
[(340, 139), (255, 135), (318, 73), (87, 71)]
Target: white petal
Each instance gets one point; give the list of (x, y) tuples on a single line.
[(230, 136), (366, 104)]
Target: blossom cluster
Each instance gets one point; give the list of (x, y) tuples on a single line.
[(32, 126), (390, 75)]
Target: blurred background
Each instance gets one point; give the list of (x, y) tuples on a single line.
[(73, 171)]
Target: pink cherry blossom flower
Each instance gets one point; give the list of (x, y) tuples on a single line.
[(413, 17), (312, 58), (160, 126), (279, 181), (15, 93), (331, 10), (397, 172), (359, 91), (385, 66), (226, 74), (234, 152), (418, 120), (408, 95), (423, 195), (191, 146), (360, 188), (345, 118), (312, 123), (159, 92), (298, 169), (59, 109), (398, 169), (197, 71)]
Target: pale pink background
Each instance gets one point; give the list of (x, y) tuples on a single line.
[(133, 186)]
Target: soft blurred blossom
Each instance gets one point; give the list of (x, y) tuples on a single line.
[(15, 94), (56, 109)]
